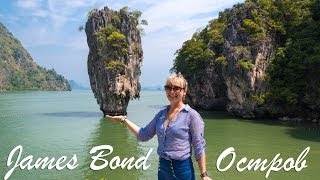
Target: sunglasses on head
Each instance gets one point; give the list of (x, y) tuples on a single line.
[(173, 88)]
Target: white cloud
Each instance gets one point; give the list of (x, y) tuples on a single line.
[(77, 3), (78, 43), (39, 37), (40, 13), (50, 21), (179, 16), (171, 22), (170, 13), (32, 8), (29, 4)]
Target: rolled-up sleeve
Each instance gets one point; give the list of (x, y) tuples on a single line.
[(149, 131), (197, 133)]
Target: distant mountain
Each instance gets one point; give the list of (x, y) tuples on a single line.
[(152, 88), (76, 86), (18, 71)]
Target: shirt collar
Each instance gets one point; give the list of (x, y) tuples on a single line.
[(186, 107)]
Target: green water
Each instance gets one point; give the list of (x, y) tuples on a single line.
[(55, 124)]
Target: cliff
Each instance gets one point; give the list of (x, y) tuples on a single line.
[(247, 56), (18, 71), (257, 59), (115, 57)]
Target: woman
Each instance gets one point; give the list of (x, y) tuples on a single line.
[(178, 128)]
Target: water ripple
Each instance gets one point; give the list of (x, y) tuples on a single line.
[(74, 114)]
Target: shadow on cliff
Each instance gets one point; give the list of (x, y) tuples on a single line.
[(77, 114), (299, 130), (305, 133), (216, 115)]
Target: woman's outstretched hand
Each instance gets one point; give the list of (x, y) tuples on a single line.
[(124, 120), (116, 118)]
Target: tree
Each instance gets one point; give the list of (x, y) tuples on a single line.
[(193, 57)]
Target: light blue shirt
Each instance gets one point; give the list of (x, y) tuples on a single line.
[(186, 130)]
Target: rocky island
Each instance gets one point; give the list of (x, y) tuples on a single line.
[(258, 59), (115, 57)]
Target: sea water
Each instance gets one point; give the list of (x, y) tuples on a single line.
[(56, 124)]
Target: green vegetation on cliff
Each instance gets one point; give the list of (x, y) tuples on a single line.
[(294, 74), (201, 50), (292, 78), (19, 72), (112, 43)]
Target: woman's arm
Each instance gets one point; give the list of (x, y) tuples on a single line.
[(202, 167), (198, 142), (142, 134)]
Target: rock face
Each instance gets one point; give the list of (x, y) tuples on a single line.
[(19, 72), (256, 60), (228, 86), (208, 91), (243, 84), (115, 57)]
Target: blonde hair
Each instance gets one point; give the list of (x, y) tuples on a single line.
[(178, 77)]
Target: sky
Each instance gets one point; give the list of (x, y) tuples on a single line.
[(48, 29)]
